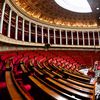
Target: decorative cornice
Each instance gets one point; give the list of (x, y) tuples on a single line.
[(58, 22), (25, 16)]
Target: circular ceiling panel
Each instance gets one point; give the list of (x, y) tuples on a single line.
[(80, 6)]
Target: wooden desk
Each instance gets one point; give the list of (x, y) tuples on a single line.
[(48, 73), (78, 77), (36, 70), (11, 88), (25, 94), (84, 89), (69, 89), (23, 68), (80, 83), (46, 89)]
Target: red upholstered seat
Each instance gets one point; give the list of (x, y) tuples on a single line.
[(2, 85), (91, 73), (98, 68), (27, 87)]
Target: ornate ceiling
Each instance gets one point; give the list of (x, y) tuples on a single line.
[(49, 12)]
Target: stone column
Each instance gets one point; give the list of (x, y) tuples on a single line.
[(83, 38), (54, 37), (2, 17), (88, 39), (60, 38), (66, 38), (42, 35), (72, 36), (93, 38), (29, 31), (48, 36), (77, 38), (23, 29), (16, 28), (99, 38), (35, 33), (9, 24)]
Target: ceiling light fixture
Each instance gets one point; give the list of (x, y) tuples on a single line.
[(97, 8)]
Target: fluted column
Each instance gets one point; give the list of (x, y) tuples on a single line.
[(60, 38), (72, 36), (54, 37), (66, 38), (48, 36), (93, 38), (23, 29), (35, 33), (9, 24), (83, 38), (2, 17), (88, 39), (42, 35), (29, 31), (77, 38), (16, 29)]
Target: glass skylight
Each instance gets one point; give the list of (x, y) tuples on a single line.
[(81, 6)]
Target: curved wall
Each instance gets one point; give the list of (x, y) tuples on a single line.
[(16, 28)]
